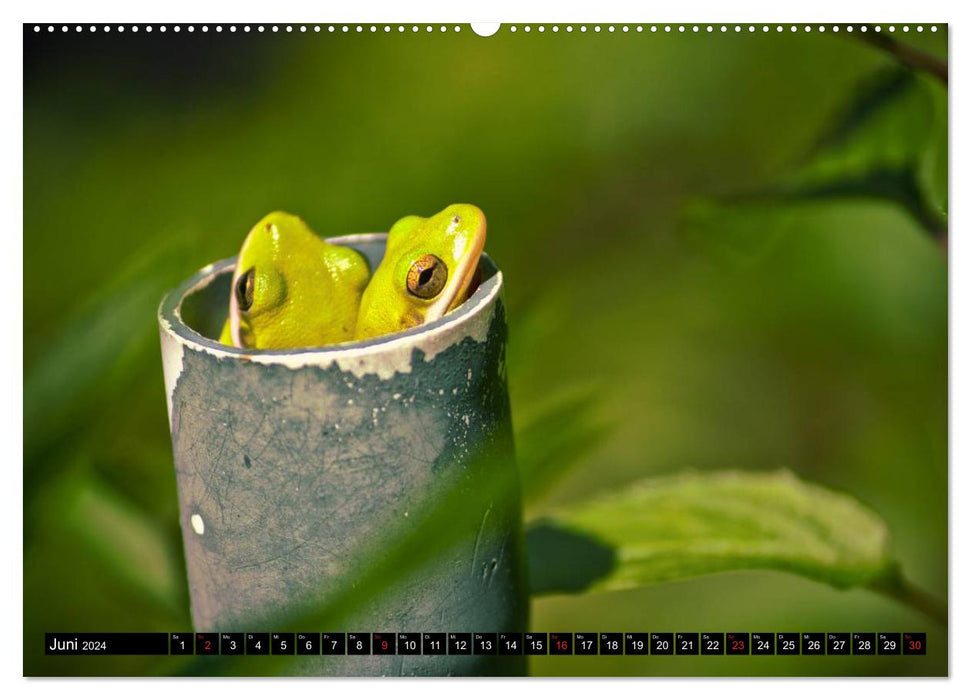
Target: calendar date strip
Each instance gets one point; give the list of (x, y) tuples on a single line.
[(487, 643)]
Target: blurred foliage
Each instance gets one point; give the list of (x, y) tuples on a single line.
[(610, 167), (391, 566), (563, 430), (886, 143), (889, 143), (93, 358)]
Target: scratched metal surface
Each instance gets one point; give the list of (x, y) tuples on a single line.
[(285, 476)]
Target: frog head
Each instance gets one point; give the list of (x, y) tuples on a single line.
[(428, 268), (292, 289)]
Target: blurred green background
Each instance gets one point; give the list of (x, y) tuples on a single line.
[(665, 260)]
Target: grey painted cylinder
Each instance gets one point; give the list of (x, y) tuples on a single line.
[(290, 464)]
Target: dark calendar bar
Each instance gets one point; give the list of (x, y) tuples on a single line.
[(105, 643), (697, 644)]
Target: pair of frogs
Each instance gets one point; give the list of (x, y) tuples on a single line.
[(293, 289)]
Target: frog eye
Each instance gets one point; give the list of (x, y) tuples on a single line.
[(426, 277), (244, 289)]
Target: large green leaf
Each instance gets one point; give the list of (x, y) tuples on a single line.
[(671, 528)]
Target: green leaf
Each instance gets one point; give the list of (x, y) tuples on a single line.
[(672, 528), (132, 546), (886, 144), (94, 562), (130, 549), (932, 170), (886, 125), (889, 142)]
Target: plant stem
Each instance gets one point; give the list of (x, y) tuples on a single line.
[(903, 591), (908, 55)]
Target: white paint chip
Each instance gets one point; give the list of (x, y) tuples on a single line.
[(197, 524)]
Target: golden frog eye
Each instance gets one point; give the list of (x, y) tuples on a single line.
[(426, 277), (244, 289)]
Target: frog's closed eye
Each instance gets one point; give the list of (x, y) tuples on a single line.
[(427, 276), (244, 289)]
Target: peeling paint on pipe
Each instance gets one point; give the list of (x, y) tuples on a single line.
[(289, 462)]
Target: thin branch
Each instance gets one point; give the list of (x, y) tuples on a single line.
[(908, 55), (903, 591)]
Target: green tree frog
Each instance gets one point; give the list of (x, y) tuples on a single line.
[(292, 289), (427, 270)]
